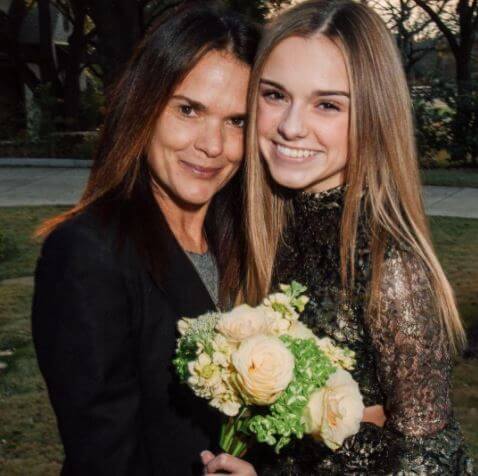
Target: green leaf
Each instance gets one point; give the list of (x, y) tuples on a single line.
[(283, 419)]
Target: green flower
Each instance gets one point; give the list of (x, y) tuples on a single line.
[(197, 336), (283, 419)]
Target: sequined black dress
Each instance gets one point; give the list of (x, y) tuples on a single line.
[(403, 361)]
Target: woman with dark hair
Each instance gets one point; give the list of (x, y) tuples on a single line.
[(155, 237)]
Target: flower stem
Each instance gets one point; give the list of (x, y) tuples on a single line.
[(232, 439)]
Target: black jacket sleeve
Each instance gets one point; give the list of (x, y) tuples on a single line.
[(83, 336)]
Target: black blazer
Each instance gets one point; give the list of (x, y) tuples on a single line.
[(105, 336)]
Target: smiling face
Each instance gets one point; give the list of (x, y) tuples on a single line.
[(198, 140), (303, 113)]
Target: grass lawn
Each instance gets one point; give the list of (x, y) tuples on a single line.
[(29, 442), (19, 224), (450, 177), (456, 242)]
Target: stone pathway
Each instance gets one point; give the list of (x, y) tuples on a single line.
[(63, 186), (451, 201), (41, 186), (24, 281)]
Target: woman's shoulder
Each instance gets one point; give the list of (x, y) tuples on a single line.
[(86, 233)]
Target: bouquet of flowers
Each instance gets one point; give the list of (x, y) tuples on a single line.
[(270, 374)]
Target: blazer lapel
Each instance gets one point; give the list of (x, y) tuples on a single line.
[(179, 280), (182, 284)]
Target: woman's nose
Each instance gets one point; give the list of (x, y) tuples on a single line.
[(292, 125), (211, 140)]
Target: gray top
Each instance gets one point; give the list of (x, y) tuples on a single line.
[(207, 269)]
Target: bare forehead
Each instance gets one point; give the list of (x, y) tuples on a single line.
[(218, 81), (314, 62)]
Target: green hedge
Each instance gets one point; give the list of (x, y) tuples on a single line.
[(446, 121), (8, 246)]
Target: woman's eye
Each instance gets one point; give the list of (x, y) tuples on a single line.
[(328, 106), (273, 95), (238, 122), (186, 110)]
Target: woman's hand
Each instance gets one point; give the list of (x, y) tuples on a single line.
[(225, 462), (238, 467), (375, 415)]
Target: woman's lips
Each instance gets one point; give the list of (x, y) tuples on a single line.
[(200, 171)]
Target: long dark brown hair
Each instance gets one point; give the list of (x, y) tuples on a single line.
[(120, 180)]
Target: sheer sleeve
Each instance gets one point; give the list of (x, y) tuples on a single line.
[(413, 367), (413, 361), (410, 369)]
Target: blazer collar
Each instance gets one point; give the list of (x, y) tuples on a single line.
[(178, 277), (182, 284)]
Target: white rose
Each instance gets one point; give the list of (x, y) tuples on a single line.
[(265, 367), (335, 411), (242, 322)]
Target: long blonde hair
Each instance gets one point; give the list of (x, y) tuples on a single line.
[(382, 162)]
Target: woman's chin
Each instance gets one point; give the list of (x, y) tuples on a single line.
[(293, 181), (196, 198)]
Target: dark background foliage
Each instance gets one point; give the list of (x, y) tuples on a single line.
[(58, 57)]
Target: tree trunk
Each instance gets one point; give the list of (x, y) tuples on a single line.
[(14, 20), (461, 46), (74, 62), (118, 30), (47, 56)]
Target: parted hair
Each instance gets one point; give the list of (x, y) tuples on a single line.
[(381, 171), (120, 177)]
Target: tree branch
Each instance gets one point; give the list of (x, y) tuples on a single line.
[(440, 24)]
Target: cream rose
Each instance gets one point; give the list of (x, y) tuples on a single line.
[(265, 367), (242, 322), (335, 411)]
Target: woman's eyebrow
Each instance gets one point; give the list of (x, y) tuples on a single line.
[(195, 104), (321, 92), (272, 83), (318, 92), (200, 107)]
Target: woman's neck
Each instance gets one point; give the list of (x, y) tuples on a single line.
[(327, 184), (186, 222)]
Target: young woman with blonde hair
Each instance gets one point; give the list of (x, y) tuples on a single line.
[(334, 202)]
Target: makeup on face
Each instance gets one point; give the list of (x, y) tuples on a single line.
[(303, 113), (198, 142)]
